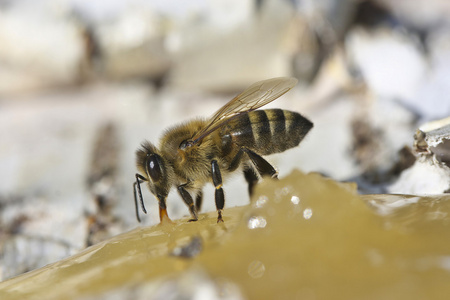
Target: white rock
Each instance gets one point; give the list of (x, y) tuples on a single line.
[(424, 177), (39, 48), (390, 62), (430, 174), (421, 14), (212, 58), (132, 45), (47, 146), (432, 100)]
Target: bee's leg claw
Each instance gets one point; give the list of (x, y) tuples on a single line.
[(193, 213), (219, 217), (251, 178)]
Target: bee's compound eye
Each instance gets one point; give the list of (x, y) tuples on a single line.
[(154, 168)]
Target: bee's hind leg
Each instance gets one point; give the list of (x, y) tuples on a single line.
[(251, 177), (188, 200), (199, 201), (263, 166), (219, 196)]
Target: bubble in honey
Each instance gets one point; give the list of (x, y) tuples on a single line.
[(256, 222), (256, 269), (282, 192), (295, 200), (307, 213), (261, 201)]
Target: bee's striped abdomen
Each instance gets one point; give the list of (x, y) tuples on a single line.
[(265, 131)]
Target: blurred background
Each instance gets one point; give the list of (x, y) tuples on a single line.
[(83, 83)]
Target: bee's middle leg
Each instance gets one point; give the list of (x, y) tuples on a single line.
[(188, 200), (219, 196)]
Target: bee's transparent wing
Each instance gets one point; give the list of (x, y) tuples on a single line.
[(255, 96)]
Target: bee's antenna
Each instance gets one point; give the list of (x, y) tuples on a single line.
[(138, 183), (136, 203)]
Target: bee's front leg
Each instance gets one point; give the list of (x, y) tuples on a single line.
[(219, 196), (188, 200)]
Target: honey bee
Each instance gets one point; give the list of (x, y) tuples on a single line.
[(201, 151)]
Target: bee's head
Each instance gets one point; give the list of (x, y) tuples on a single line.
[(156, 170)]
